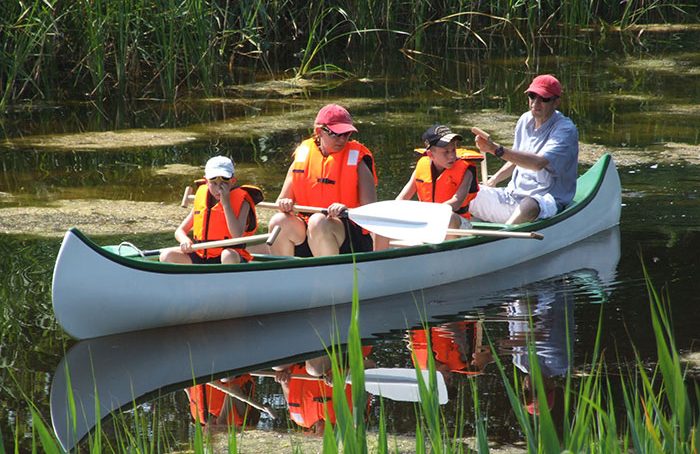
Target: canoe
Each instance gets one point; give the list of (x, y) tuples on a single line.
[(97, 292), (99, 376)]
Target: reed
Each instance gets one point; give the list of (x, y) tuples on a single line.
[(133, 48)]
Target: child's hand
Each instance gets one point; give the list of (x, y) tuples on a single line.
[(283, 376), (186, 246)]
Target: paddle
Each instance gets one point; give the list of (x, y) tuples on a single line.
[(243, 398), (268, 238), (406, 220), (390, 383), (410, 220)]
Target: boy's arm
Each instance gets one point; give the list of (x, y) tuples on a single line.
[(458, 198), (182, 233), (409, 190), (235, 224)]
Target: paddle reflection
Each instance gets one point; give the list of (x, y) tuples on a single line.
[(229, 401), (461, 321)]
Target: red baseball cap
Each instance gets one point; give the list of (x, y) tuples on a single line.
[(545, 85), (336, 118)]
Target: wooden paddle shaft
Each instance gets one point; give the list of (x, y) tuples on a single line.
[(272, 374), (498, 233), (302, 208), (268, 238), (243, 398), (188, 198), (389, 380)]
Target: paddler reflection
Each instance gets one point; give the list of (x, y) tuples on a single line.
[(545, 318), (457, 348), (225, 402), (308, 390)]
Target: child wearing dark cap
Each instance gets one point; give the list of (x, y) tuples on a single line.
[(441, 176)]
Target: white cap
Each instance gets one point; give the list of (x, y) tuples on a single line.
[(218, 166)]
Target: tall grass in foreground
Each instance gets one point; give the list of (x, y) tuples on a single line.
[(660, 416)]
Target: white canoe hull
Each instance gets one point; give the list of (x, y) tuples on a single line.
[(96, 294)]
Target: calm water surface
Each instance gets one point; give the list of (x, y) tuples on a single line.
[(632, 100)]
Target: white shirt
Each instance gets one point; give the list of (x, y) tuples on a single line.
[(557, 141)]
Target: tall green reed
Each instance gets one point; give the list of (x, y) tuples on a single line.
[(22, 60), (134, 48)]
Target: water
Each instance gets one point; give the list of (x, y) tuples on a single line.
[(636, 101)]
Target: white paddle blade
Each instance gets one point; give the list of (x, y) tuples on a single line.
[(401, 384), (406, 220)]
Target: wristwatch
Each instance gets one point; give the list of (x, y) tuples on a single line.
[(499, 151)]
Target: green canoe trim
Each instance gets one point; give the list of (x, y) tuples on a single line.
[(587, 187)]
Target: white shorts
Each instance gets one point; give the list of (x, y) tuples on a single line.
[(496, 205), (464, 223)]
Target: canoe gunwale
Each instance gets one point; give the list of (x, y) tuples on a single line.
[(597, 171)]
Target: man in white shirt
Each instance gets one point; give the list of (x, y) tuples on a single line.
[(542, 164)]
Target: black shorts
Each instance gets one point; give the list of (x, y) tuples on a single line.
[(197, 260), (355, 241)]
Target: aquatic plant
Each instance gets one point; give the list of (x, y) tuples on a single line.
[(133, 48)]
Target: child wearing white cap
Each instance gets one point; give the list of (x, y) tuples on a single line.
[(221, 210)]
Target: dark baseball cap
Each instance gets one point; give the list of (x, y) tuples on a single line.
[(439, 135)]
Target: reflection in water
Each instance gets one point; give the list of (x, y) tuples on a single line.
[(228, 401), (544, 317), (308, 390), (121, 369)]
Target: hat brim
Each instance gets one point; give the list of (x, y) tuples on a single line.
[(217, 173), (446, 139), (541, 92), (342, 128)]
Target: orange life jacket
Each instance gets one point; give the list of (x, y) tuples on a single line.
[(322, 180), (205, 401), (309, 400), (444, 348), (210, 222), (446, 184)]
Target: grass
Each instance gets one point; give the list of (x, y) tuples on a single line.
[(134, 48), (647, 411)]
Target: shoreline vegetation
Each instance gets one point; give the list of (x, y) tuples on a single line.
[(133, 49), (634, 407)]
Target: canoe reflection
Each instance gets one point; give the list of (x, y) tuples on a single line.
[(119, 370)]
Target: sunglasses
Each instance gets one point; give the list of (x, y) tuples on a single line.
[(219, 179), (334, 135), (534, 96)]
